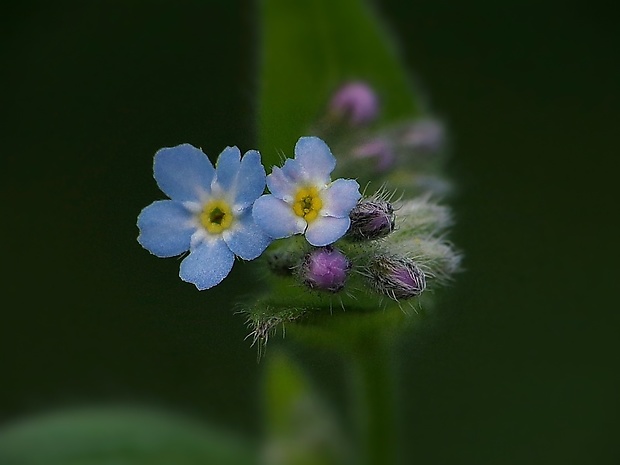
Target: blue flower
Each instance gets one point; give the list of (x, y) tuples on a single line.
[(209, 212), (303, 198)]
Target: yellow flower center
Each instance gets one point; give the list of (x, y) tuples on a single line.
[(216, 216), (307, 203)]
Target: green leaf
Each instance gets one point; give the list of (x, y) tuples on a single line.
[(118, 436), (308, 48)]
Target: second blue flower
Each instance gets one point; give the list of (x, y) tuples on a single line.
[(303, 198)]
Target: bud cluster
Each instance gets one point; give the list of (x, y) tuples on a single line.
[(407, 154), (401, 244), (394, 249), (411, 142)]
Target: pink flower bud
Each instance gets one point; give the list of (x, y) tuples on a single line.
[(425, 135), (325, 269), (397, 277), (356, 102), (379, 150), (371, 218)]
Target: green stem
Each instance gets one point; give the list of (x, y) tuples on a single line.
[(374, 397)]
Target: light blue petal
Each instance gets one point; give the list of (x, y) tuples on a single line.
[(227, 167), (241, 179), (165, 228), (340, 198), (208, 264), (246, 239), (292, 170), (276, 217), (314, 158), (280, 185), (183, 172), (326, 230), (250, 179)]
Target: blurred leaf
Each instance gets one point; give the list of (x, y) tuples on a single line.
[(118, 436), (308, 48)]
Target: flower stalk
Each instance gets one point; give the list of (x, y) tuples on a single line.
[(374, 404)]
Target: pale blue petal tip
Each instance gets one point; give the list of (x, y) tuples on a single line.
[(207, 265), (165, 228), (340, 197), (250, 179), (281, 184), (314, 158), (326, 230), (227, 167), (183, 172)]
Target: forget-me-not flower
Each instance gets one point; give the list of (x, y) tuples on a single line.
[(209, 212), (303, 198)]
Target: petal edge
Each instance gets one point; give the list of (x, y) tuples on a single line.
[(165, 228), (207, 265)]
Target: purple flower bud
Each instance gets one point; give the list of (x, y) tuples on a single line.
[(371, 219), (380, 150), (325, 269), (356, 102), (396, 277), (425, 135)]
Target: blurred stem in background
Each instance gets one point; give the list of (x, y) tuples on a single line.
[(374, 394)]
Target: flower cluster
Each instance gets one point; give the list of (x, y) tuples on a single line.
[(217, 213), (319, 238), (390, 249)]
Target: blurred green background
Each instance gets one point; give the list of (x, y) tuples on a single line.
[(519, 362)]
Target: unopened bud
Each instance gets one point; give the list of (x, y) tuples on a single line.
[(397, 277), (356, 102), (420, 216), (371, 219), (379, 150), (425, 135), (325, 269)]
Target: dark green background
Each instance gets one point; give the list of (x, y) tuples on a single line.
[(518, 364)]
